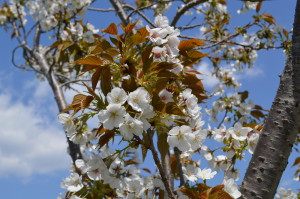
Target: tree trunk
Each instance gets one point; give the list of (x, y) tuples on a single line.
[(270, 157), (73, 149)]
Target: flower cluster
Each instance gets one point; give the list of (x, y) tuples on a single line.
[(166, 42), (115, 115)]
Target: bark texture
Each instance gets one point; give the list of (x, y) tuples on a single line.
[(73, 149), (270, 157)]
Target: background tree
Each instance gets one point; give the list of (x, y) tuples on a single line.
[(280, 130), (116, 61)]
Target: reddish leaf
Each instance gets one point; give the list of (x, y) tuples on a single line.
[(129, 27), (96, 77), (257, 114), (143, 32), (147, 142), (90, 60), (80, 102), (190, 193), (172, 108), (202, 187), (286, 33), (268, 18), (106, 137), (190, 44), (100, 131), (106, 80), (162, 144), (194, 54), (147, 170), (297, 161), (258, 6), (161, 84), (111, 29)]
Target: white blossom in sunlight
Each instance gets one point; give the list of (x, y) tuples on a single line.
[(146, 114), (239, 132), (220, 134), (131, 127), (113, 116), (190, 173), (207, 153), (79, 138), (231, 188), (206, 174), (73, 183), (159, 53), (219, 162), (117, 167), (161, 21), (117, 96), (283, 193), (81, 164), (180, 137), (96, 168), (245, 109), (88, 37), (68, 123), (158, 35), (198, 139), (232, 174), (91, 27), (139, 99), (252, 141), (135, 187), (166, 96)]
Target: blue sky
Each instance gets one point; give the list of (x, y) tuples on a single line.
[(33, 157)]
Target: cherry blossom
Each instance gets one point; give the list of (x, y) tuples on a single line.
[(180, 137), (206, 174), (73, 183), (131, 127), (231, 188), (139, 99), (117, 96), (113, 116), (239, 132)]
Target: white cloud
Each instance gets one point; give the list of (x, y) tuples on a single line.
[(208, 80), (250, 73), (30, 143)]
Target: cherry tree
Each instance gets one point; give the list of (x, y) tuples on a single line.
[(143, 86)]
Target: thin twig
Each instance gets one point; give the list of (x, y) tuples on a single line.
[(102, 10), (73, 81), (179, 166), (140, 13), (189, 27), (185, 8), (223, 119), (160, 169), (21, 21)]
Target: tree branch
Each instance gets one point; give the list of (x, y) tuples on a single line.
[(179, 166), (185, 8), (102, 10), (120, 11), (160, 169), (140, 13)]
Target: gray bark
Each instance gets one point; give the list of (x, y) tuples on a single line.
[(74, 149), (270, 157)]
